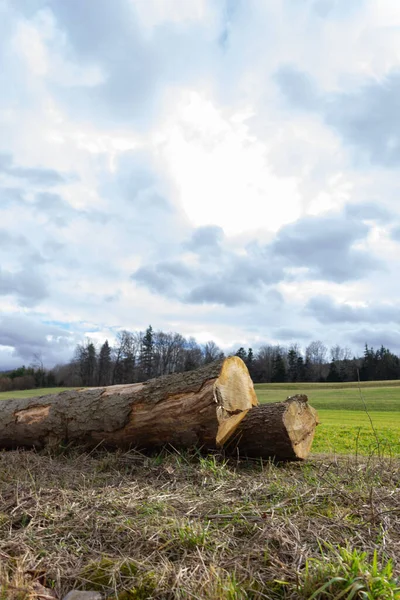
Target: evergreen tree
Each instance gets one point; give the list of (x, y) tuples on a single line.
[(368, 366), (91, 364), (104, 370), (293, 365), (278, 368), (241, 353), (334, 374), (250, 362), (147, 354), (86, 361), (301, 369)]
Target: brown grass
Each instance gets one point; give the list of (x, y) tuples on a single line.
[(185, 526)]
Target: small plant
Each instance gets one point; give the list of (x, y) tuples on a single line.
[(192, 535), (347, 575), (211, 466)]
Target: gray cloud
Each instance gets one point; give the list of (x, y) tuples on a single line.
[(134, 66), (163, 278), (297, 87), (324, 245), (33, 176), (365, 211), (395, 233), (9, 240), (27, 336), (327, 311), (376, 337), (220, 292), (230, 280), (207, 237), (11, 195), (290, 334), (369, 120), (26, 284)]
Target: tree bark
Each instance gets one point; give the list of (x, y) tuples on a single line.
[(282, 430), (214, 406)]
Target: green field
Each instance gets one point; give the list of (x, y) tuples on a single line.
[(32, 393), (345, 426)]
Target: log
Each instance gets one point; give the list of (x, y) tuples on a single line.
[(207, 408), (280, 430)]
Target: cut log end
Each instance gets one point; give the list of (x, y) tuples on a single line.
[(300, 421), (234, 394), (280, 430)]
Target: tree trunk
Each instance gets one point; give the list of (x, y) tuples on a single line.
[(283, 430), (214, 406), (184, 409)]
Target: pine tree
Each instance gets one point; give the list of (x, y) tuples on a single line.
[(293, 365), (147, 354), (104, 370), (86, 362), (91, 364), (241, 353), (278, 368), (334, 374), (301, 369)]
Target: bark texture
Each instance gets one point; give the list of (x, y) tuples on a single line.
[(281, 430)]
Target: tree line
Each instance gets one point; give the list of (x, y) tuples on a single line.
[(139, 356), (27, 378)]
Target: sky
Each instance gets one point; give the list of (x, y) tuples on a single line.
[(227, 169)]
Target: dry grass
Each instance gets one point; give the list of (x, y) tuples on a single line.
[(185, 526)]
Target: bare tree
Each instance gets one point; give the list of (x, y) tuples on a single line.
[(211, 352), (316, 353)]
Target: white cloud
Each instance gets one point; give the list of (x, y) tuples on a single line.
[(221, 172)]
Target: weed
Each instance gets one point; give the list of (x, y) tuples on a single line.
[(347, 574)]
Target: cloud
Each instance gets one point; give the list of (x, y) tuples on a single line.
[(33, 176), (325, 245), (133, 58), (297, 87), (376, 337), (315, 247), (289, 334), (369, 211), (27, 285), (207, 237), (23, 336), (163, 278), (220, 292), (395, 233), (327, 311), (368, 119)]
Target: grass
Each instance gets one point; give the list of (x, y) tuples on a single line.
[(345, 425), (331, 397), (32, 393), (176, 526)]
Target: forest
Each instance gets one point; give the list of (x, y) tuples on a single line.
[(139, 356)]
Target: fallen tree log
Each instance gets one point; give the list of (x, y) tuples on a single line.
[(202, 408), (283, 430)]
